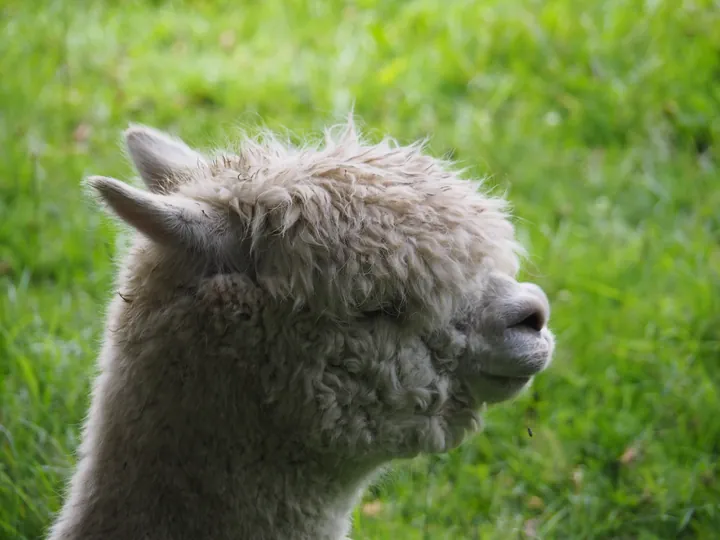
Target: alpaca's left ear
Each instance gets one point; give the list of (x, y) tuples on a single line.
[(158, 157), (166, 219)]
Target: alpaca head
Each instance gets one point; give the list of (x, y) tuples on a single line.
[(386, 309)]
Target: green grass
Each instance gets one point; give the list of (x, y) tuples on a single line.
[(600, 118)]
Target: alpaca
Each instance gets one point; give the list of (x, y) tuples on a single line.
[(289, 320)]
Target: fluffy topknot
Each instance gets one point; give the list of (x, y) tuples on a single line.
[(348, 226)]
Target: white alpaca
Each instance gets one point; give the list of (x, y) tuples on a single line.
[(288, 320)]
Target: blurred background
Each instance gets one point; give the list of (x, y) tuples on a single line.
[(601, 121)]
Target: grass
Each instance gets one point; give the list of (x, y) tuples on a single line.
[(600, 118)]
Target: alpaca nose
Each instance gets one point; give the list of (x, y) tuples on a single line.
[(532, 310), (534, 319)]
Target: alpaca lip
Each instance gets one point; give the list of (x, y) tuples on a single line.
[(515, 379)]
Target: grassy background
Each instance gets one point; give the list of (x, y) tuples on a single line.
[(600, 118)]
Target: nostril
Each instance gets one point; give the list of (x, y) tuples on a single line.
[(535, 320)]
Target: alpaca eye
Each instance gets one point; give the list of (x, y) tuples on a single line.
[(461, 326), (391, 311), (376, 313)]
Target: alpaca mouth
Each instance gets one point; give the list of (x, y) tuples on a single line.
[(506, 379)]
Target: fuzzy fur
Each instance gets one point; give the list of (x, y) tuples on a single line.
[(288, 321)]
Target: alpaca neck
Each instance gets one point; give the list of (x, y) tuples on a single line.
[(160, 468)]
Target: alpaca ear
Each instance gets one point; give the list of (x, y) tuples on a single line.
[(157, 156), (165, 219)]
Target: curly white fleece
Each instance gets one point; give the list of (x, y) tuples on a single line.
[(302, 334)]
